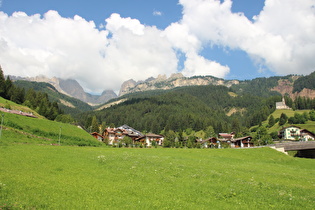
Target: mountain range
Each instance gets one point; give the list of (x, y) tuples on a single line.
[(279, 84), (72, 88), (180, 102)]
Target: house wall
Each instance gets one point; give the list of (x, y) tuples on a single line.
[(149, 140), (288, 134), (307, 137)]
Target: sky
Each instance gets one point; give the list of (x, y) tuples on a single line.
[(102, 43)]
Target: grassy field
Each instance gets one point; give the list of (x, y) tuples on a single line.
[(64, 177)]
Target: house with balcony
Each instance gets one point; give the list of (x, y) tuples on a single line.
[(149, 138), (296, 133), (245, 141), (115, 135)]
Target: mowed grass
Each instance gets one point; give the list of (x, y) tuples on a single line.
[(64, 177)]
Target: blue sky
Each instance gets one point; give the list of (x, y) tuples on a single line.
[(147, 38)]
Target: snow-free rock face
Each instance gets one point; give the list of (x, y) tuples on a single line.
[(175, 80), (72, 88), (127, 86), (285, 87)]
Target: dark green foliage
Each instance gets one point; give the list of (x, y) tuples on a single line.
[(298, 118), (259, 86), (196, 107), (312, 115), (304, 82), (274, 135), (127, 141), (271, 121), (53, 95), (301, 103), (2, 84), (38, 101), (169, 139), (94, 125), (283, 119)]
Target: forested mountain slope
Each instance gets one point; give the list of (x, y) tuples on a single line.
[(194, 107), (68, 104)]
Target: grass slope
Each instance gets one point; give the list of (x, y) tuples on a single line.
[(309, 125), (22, 129), (47, 177)]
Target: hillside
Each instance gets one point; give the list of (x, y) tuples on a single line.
[(70, 87), (69, 105), (22, 129), (196, 107), (309, 125)]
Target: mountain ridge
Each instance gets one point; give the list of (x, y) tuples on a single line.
[(279, 84), (72, 88), (175, 80)]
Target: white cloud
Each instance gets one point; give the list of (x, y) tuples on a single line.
[(138, 54), (51, 46), (74, 48), (115, 22), (198, 65), (157, 13), (282, 36)]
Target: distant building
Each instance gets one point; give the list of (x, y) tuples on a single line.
[(151, 137), (282, 105), (296, 133), (115, 135), (245, 141), (97, 136)]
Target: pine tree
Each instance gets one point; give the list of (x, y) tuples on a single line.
[(94, 125), (283, 119), (271, 121), (8, 85), (2, 84)]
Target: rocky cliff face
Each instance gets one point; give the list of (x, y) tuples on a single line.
[(72, 88), (285, 87), (126, 86), (175, 80)]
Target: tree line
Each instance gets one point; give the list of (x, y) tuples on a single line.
[(37, 101), (183, 108)]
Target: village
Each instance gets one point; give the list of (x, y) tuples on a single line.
[(115, 136)]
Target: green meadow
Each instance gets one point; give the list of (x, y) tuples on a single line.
[(37, 173), (72, 177), (22, 129)]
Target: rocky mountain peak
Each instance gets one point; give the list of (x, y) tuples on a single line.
[(175, 80), (126, 86)]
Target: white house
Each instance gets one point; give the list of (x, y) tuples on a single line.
[(296, 133)]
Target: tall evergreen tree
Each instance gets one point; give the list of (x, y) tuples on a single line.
[(94, 125), (8, 86), (283, 119), (271, 121), (2, 84)]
